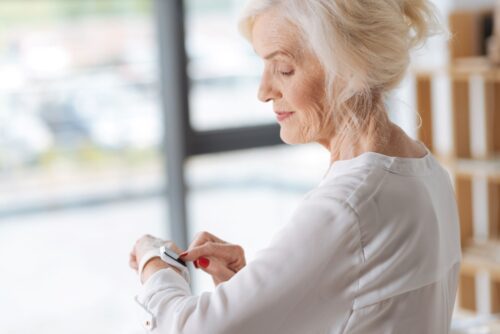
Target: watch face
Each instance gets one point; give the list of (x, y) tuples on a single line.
[(173, 255), (170, 253)]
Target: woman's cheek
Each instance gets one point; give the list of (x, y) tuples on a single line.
[(311, 107), (311, 124)]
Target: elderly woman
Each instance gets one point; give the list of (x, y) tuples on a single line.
[(374, 248)]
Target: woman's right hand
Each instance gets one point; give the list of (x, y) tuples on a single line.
[(215, 256)]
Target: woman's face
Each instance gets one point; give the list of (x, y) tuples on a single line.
[(293, 79)]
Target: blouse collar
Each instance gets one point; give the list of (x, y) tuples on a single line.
[(397, 165)]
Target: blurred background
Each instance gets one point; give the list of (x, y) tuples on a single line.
[(99, 145)]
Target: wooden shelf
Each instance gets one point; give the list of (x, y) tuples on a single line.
[(473, 106), (479, 258), (469, 322), (472, 167), (465, 67), (459, 105), (461, 68), (482, 256)]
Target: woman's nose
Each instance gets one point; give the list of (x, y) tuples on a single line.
[(267, 90)]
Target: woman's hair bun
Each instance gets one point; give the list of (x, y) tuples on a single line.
[(422, 19)]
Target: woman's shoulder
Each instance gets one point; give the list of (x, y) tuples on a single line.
[(321, 219), (324, 206), (348, 189)]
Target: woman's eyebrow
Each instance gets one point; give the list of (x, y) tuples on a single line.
[(278, 52)]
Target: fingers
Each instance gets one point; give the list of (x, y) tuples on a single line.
[(226, 258), (133, 261), (224, 251), (174, 247), (218, 271), (213, 255), (203, 237), (146, 243), (232, 255)]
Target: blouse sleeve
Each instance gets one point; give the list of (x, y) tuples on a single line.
[(310, 265)]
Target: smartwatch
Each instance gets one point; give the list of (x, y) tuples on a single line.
[(167, 252)]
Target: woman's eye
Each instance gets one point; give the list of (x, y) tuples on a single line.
[(286, 73), (283, 70)]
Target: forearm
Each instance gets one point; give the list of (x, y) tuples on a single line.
[(152, 266)]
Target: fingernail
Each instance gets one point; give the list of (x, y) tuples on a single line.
[(196, 263), (183, 254), (204, 262)]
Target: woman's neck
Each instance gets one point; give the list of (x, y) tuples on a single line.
[(347, 143), (381, 136)]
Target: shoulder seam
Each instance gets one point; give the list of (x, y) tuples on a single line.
[(376, 189), (349, 207)]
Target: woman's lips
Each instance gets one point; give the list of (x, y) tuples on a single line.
[(282, 115)]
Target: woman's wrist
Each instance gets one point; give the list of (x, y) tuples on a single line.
[(154, 265)]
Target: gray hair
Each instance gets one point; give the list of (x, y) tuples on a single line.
[(363, 45)]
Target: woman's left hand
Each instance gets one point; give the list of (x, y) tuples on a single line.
[(145, 244)]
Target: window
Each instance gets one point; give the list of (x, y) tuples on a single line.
[(80, 131), (224, 71)]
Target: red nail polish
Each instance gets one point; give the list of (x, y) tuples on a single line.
[(204, 262), (196, 263), (183, 254)]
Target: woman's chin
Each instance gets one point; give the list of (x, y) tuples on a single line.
[(291, 138)]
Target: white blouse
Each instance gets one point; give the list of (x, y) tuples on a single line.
[(374, 248)]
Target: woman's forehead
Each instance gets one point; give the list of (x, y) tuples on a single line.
[(274, 36)]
